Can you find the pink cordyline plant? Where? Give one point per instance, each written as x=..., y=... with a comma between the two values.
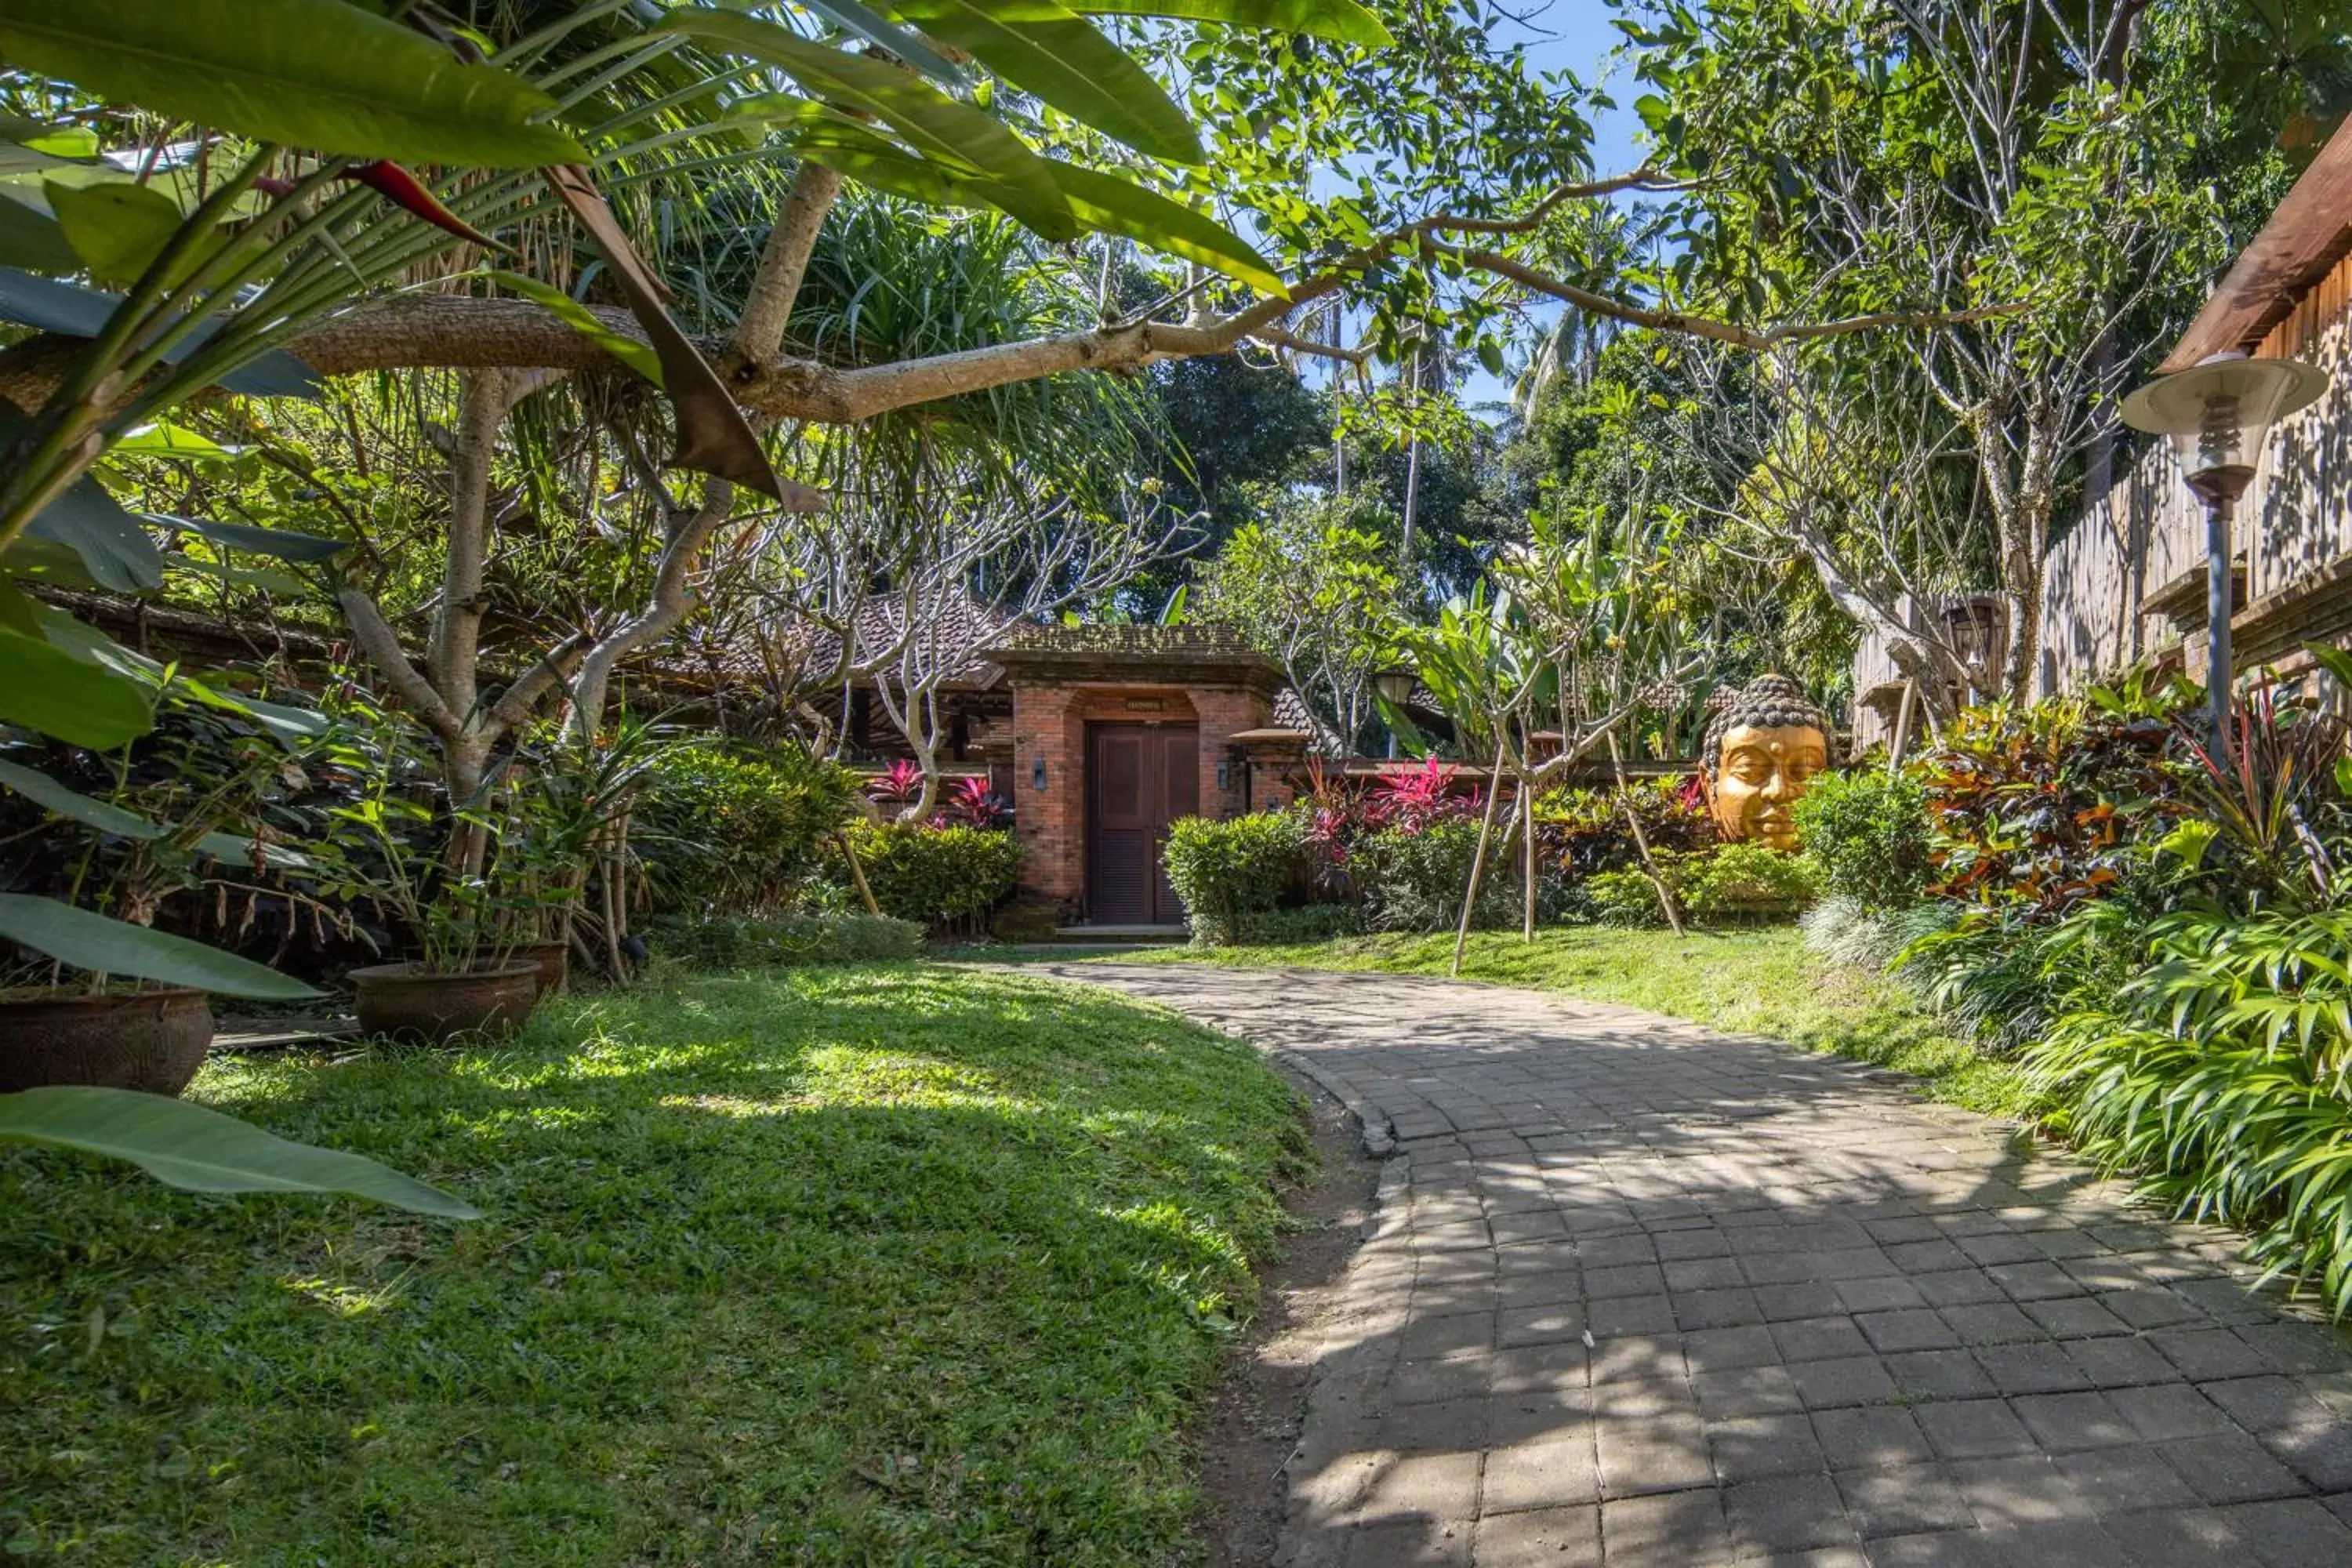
x=1410, y=803
x=971, y=803
x=900, y=782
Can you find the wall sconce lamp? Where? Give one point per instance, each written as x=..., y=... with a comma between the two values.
x=1037, y=774
x=2218, y=414
x=1224, y=772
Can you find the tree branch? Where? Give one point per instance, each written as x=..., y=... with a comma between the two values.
x=382, y=644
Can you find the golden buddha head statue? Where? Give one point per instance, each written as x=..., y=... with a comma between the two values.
x=1765, y=744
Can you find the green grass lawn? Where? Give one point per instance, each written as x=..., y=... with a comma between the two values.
x=891, y=1264
x=1760, y=980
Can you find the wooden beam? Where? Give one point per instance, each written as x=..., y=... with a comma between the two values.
x=2305, y=238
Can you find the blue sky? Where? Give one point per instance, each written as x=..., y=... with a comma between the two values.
x=1576, y=36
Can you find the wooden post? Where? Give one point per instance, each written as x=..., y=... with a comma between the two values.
x=1902, y=741
x=857, y=872
x=1527, y=861
x=1478, y=863
x=1642, y=842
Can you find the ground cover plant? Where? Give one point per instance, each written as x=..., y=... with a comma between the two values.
x=885, y=1264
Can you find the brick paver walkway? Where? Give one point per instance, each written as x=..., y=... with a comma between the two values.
x=1643, y=1294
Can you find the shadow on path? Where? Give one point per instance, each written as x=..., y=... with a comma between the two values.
x=1648, y=1295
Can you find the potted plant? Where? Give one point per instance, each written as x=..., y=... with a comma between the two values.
x=572, y=805
x=464, y=978
x=179, y=814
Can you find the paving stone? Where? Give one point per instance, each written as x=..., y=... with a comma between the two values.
x=2064, y=1420
x=1918, y=1329
x=1538, y=1537
x=1818, y=1338
x=1746, y=1391
x=2165, y=1411
x=1728, y=1349
x=1667, y=1529
x=2230, y=1467
x=1849, y=1380
x=2294, y=1532
x=1974, y=1428
x=1865, y=1436
x=1903, y=1499
x=1939, y=1374
x=1653, y=1454
x=2031, y=1369
x=2124, y=1480
x=2120, y=1362
x=1787, y=1514
x=1456, y=1425
x=1541, y=1475
x=1748, y=1448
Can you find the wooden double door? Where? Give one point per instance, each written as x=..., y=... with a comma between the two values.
x=1140, y=778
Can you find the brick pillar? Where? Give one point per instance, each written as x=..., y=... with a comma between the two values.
x=1225, y=712
x=1052, y=825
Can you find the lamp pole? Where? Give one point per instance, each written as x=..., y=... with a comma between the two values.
x=2218, y=414
x=2218, y=488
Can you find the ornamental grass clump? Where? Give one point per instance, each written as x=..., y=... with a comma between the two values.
x=2222, y=1075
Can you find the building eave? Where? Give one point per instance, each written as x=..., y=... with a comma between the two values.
x=2305, y=238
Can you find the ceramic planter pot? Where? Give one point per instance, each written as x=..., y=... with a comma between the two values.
x=148, y=1040
x=419, y=1007
x=552, y=960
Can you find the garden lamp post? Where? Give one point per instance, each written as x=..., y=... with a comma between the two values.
x=2217, y=414
x=1394, y=686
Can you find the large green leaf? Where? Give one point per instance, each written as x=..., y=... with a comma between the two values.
x=200, y=1151
x=1341, y=21
x=29, y=235
x=108, y=818
x=303, y=549
x=74, y=807
x=933, y=122
x=140, y=674
x=877, y=160
x=634, y=353
x=317, y=74
x=1101, y=201
x=114, y=545
x=117, y=227
x=852, y=18
x=48, y=689
x=1046, y=49
x=1108, y=203
x=87, y=939
x=163, y=439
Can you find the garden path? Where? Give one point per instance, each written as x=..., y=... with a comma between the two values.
x=1645, y=1294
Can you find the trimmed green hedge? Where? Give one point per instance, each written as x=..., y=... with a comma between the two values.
x=947, y=879
x=1867, y=833
x=723, y=832
x=1232, y=874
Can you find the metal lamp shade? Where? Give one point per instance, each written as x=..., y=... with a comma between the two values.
x=2219, y=414
x=1396, y=685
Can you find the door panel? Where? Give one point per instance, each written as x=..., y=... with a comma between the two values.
x=1140, y=778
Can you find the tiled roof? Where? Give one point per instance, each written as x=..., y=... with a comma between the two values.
x=1207, y=640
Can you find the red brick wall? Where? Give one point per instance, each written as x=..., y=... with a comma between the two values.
x=1050, y=723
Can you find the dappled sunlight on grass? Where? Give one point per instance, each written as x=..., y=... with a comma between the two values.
x=899, y=1263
